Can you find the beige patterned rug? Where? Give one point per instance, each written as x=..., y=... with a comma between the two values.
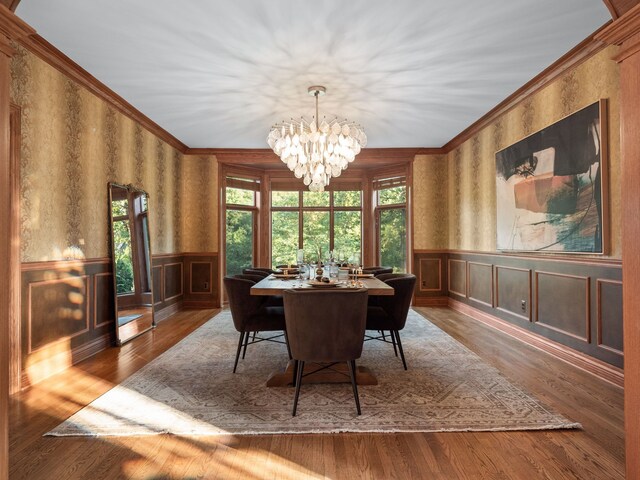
x=190, y=390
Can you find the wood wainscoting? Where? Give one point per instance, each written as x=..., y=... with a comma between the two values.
x=168, y=284
x=202, y=281
x=570, y=301
x=67, y=311
x=67, y=315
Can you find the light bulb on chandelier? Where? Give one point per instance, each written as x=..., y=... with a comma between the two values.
x=316, y=153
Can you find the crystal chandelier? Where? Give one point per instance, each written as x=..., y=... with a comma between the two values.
x=314, y=153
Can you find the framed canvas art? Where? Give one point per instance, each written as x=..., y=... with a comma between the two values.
x=551, y=187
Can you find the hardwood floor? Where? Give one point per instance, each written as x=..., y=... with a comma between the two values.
x=596, y=452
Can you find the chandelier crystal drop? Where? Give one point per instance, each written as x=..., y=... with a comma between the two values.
x=316, y=153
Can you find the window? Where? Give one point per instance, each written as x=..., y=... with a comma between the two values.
x=240, y=223
x=391, y=222
x=315, y=222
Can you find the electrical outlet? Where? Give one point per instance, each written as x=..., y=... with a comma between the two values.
x=523, y=305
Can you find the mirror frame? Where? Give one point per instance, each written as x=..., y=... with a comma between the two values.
x=130, y=189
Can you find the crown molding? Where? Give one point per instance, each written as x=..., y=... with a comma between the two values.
x=577, y=55
x=612, y=9
x=10, y=4
x=264, y=156
x=16, y=29
x=625, y=32
x=54, y=57
x=617, y=8
x=11, y=26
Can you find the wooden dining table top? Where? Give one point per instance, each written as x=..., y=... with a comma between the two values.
x=275, y=286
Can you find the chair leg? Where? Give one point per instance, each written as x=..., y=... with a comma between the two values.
x=404, y=362
x=393, y=341
x=383, y=336
x=246, y=342
x=240, y=342
x=300, y=369
x=286, y=340
x=354, y=385
x=295, y=372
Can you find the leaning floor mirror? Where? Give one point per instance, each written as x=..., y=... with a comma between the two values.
x=131, y=257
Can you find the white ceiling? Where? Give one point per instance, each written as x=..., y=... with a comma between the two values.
x=414, y=73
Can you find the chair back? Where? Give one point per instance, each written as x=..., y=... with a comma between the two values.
x=241, y=303
x=250, y=276
x=263, y=272
x=325, y=326
x=397, y=306
x=377, y=271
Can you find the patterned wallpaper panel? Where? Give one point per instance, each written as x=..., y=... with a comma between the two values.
x=430, y=202
x=200, y=203
x=471, y=169
x=73, y=144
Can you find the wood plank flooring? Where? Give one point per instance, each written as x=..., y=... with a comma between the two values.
x=596, y=452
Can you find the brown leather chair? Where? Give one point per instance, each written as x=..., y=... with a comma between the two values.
x=263, y=272
x=377, y=270
x=252, y=313
x=325, y=327
x=391, y=312
x=256, y=274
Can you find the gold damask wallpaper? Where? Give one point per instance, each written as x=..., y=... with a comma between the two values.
x=73, y=144
x=430, y=202
x=200, y=203
x=470, y=168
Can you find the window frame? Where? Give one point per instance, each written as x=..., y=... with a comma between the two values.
x=235, y=174
x=331, y=208
x=405, y=172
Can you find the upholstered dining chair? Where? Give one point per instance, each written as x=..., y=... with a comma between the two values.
x=391, y=312
x=252, y=314
x=325, y=327
x=377, y=270
x=256, y=274
x=263, y=272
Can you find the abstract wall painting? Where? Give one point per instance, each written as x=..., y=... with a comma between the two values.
x=551, y=187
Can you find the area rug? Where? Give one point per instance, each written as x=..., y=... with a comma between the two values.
x=191, y=390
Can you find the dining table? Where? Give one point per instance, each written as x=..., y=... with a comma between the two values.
x=320, y=373
x=275, y=285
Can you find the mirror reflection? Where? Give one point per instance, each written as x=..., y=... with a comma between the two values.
x=131, y=257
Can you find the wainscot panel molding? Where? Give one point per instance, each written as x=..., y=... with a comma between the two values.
x=574, y=302
x=202, y=280
x=457, y=280
x=168, y=284
x=66, y=316
x=67, y=312
x=431, y=269
x=610, y=373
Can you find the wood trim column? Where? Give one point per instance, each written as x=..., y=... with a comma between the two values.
x=11, y=28
x=5, y=251
x=625, y=32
